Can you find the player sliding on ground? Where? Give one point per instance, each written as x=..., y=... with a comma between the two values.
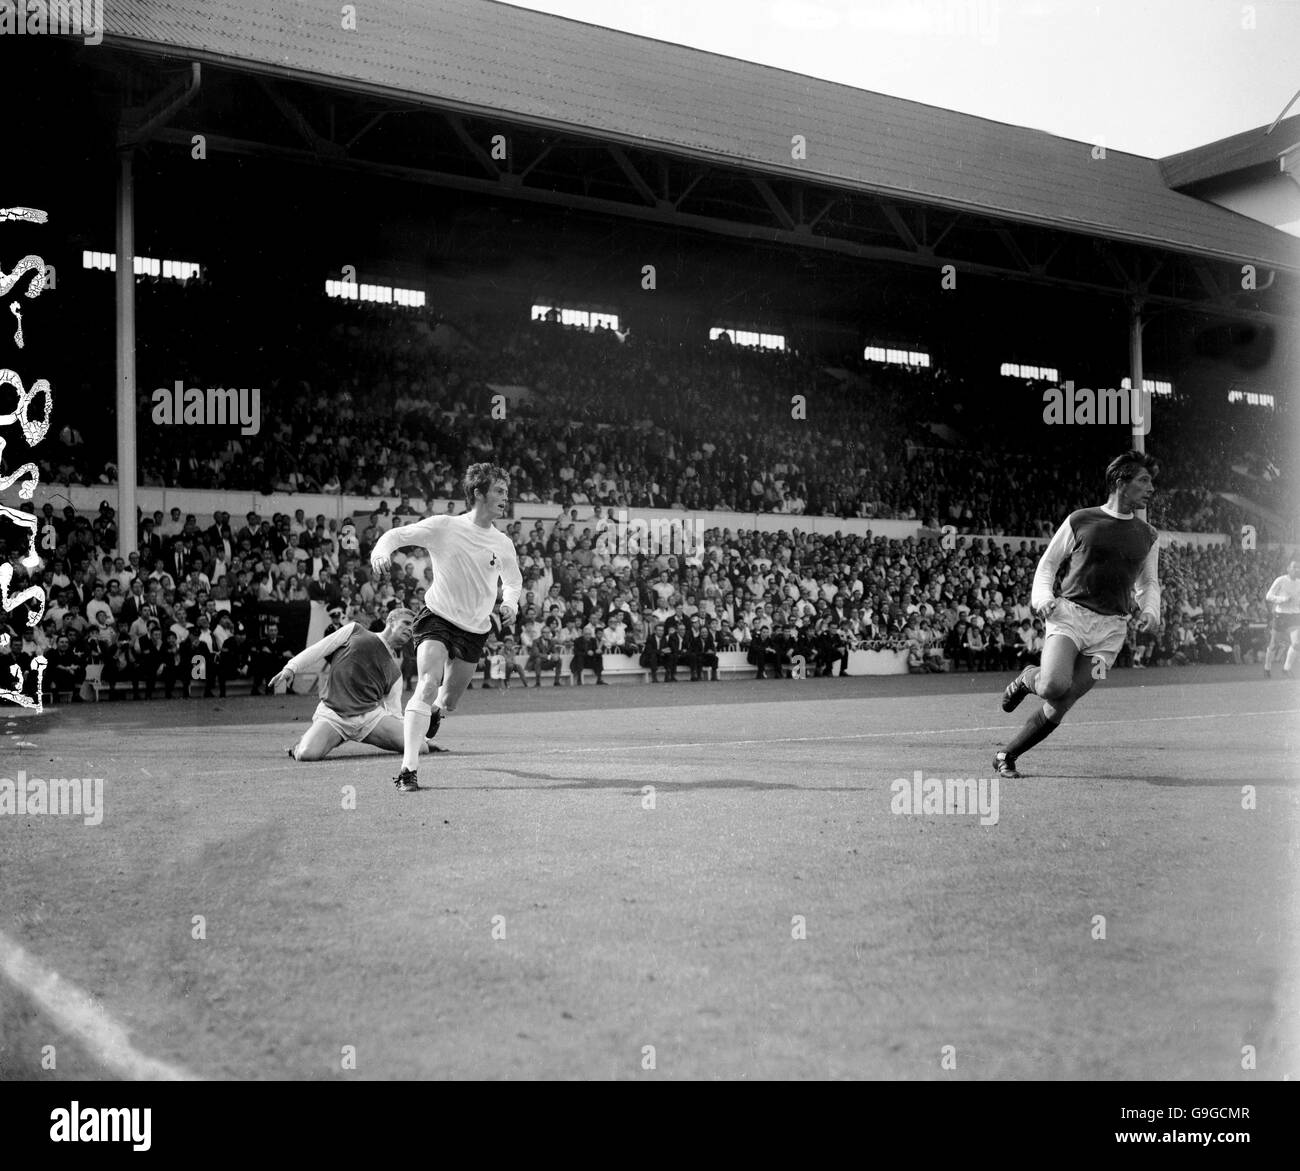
x=1284, y=596
x=1112, y=555
x=362, y=700
x=470, y=557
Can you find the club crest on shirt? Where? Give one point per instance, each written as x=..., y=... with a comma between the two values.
x=493, y=563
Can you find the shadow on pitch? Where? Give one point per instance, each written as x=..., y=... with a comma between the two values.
x=552, y=781
x=560, y=782
x=1183, y=782
x=1222, y=782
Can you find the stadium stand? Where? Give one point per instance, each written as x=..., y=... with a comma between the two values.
x=633, y=423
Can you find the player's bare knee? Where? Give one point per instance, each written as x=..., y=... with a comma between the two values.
x=1053, y=689
x=308, y=754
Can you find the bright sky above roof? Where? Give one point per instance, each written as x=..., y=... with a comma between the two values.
x=1153, y=77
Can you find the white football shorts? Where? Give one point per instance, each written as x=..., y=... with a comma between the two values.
x=1094, y=634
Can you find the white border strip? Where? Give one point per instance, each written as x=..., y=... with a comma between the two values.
x=75, y=1014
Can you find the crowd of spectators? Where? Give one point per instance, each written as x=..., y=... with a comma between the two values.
x=381, y=404
x=199, y=605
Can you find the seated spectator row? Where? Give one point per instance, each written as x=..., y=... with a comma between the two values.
x=199, y=608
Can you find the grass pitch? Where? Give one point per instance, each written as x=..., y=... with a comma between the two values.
x=676, y=881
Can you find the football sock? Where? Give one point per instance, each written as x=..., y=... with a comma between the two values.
x=415, y=723
x=1037, y=728
x=1290, y=660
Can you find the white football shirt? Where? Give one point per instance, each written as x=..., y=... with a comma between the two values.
x=1285, y=595
x=468, y=562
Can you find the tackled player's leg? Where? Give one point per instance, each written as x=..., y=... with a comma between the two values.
x=390, y=735
x=317, y=742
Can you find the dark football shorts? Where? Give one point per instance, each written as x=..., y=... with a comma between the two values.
x=460, y=644
x=1285, y=623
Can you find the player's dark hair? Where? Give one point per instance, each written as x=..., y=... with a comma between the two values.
x=1124, y=467
x=481, y=477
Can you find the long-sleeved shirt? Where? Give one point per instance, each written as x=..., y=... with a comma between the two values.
x=468, y=562
x=1111, y=558
x=1285, y=595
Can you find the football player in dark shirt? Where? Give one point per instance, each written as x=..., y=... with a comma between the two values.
x=1112, y=559
x=363, y=692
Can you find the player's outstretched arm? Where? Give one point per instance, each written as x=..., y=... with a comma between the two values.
x=316, y=653
x=421, y=534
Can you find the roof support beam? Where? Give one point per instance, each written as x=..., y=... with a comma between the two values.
x=366, y=129
x=1145, y=282
x=1209, y=281
x=1041, y=269
x=830, y=203
x=1016, y=254
x=931, y=249
x=539, y=157
x=480, y=156
x=774, y=205
x=677, y=203
x=1112, y=263
x=136, y=129
x=633, y=175
x=295, y=117
x=899, y=225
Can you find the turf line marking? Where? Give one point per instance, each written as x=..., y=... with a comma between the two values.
x=77, y=1015
x=900, y=734
x=514, y=753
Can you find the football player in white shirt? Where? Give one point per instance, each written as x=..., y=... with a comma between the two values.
x=1284, y=596
x=470, y=558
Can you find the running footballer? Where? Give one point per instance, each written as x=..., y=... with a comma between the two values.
x=471, y=557
x=1284, y=640
x=1111, y=558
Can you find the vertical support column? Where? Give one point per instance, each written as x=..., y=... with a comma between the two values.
x=127, y=541
x=1136, y=396
x=1135, y=369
